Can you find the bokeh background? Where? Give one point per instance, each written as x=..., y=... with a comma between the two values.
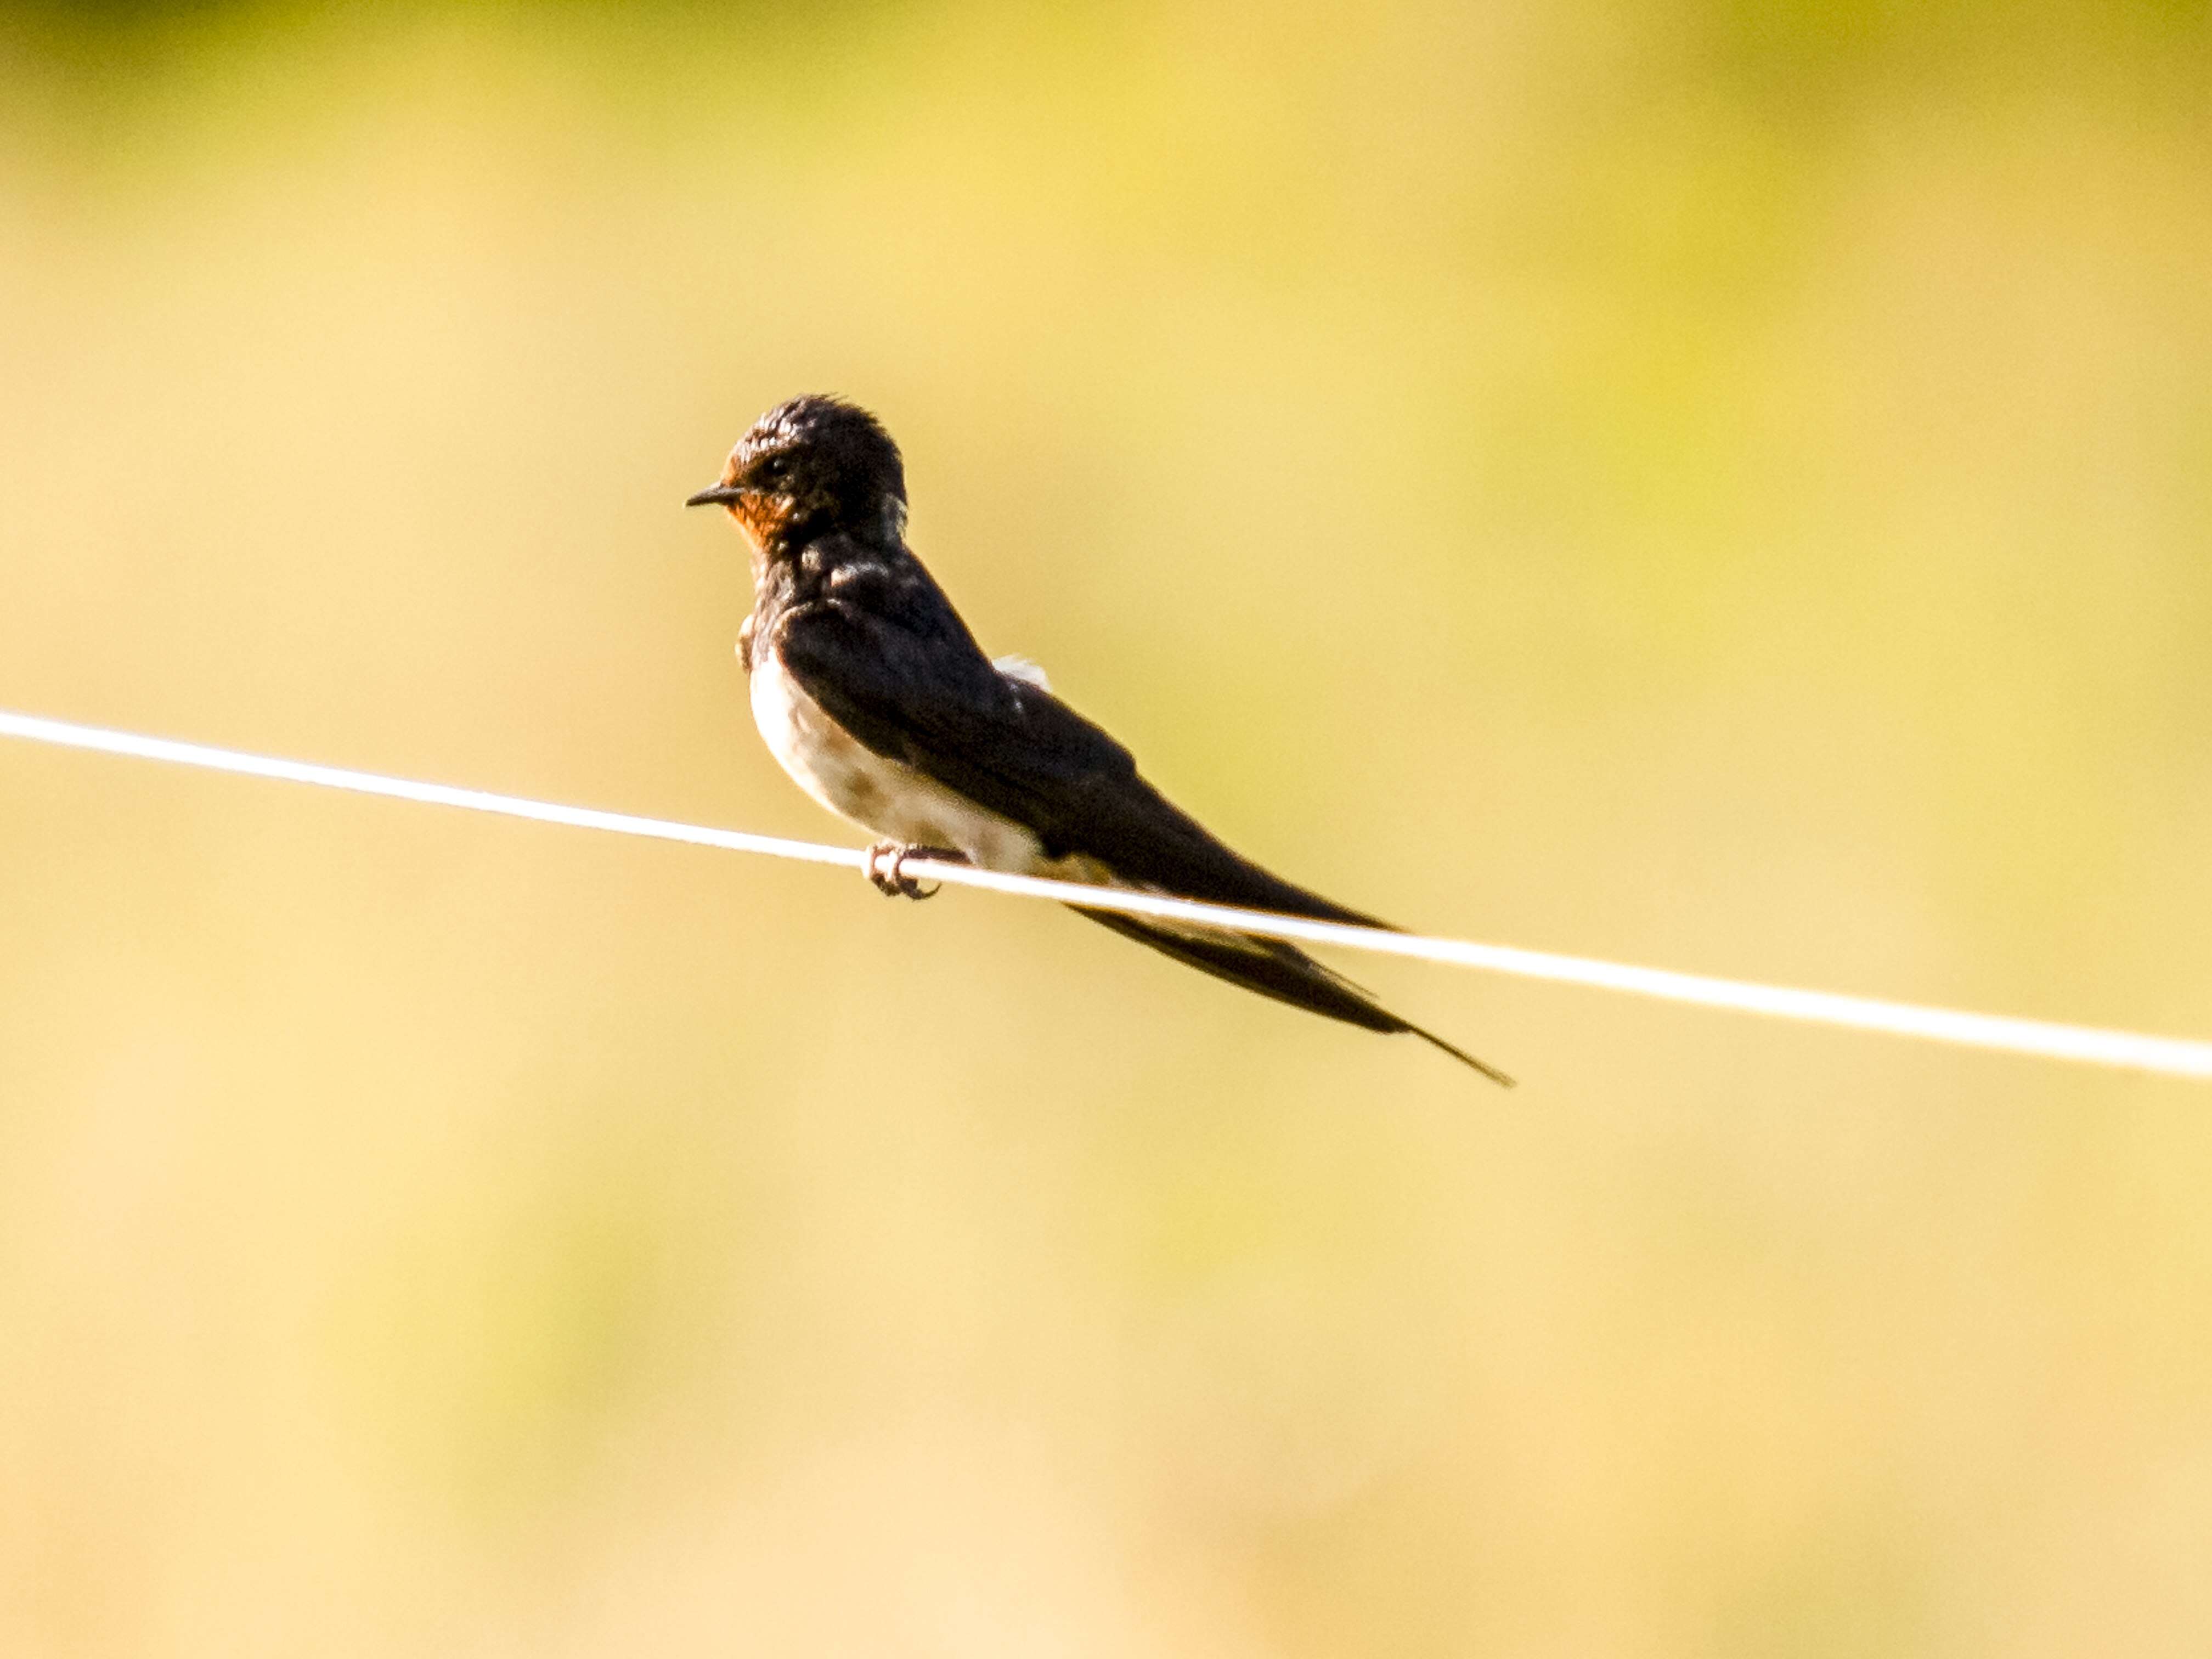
x=1727, y=486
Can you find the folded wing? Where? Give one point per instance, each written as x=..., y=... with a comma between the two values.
x=898, y=668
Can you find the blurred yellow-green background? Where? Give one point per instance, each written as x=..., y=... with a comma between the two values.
x=1723, y=486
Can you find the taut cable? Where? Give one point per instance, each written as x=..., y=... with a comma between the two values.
x=2168, y=1056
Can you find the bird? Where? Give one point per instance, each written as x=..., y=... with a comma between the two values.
x=871, y=693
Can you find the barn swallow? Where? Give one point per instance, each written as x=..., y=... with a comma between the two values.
x=873, y=693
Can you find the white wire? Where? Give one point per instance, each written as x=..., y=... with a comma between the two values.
x=2171, y=1056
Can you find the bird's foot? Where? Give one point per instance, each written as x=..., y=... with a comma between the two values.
x=883, y=867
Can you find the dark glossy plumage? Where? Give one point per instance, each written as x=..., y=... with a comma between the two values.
x=857, y=622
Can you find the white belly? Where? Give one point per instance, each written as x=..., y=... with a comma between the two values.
x=884, y=796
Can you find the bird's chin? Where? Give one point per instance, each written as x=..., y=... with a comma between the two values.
x=764, y=521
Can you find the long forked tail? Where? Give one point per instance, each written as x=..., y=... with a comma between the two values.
x=1277, y=969
x=1459, y=1055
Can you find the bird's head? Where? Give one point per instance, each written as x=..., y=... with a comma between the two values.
x=810, y=467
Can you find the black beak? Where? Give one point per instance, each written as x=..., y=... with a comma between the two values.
x=719, y=495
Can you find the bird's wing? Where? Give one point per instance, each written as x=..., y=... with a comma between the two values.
x=908, y=681
x=890, y=661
